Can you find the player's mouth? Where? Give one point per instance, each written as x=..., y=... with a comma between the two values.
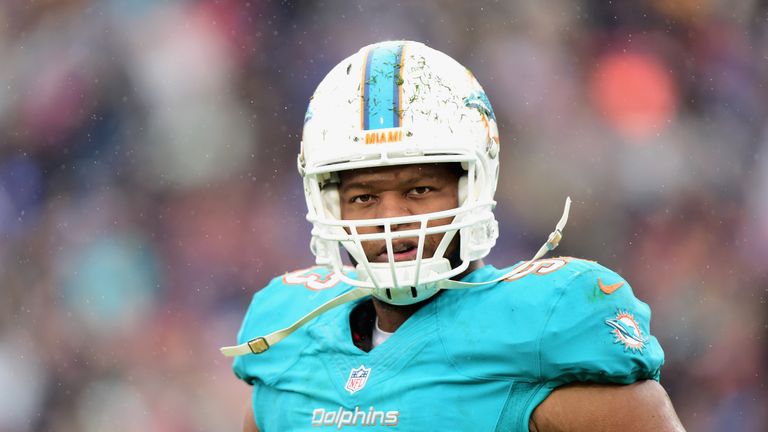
x=403, y=250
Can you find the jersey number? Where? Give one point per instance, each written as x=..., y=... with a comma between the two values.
x=540, y=267
x=311, y=279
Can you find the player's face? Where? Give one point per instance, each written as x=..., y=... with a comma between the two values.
x=404, y=190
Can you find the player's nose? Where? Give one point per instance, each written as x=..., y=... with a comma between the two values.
x=393, y=205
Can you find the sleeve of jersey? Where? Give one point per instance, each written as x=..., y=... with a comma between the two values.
x=598, y=331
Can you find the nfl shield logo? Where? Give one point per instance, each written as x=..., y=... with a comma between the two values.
x=357, y=379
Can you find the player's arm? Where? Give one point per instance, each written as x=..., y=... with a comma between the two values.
x=249, y=423
x=642, y=406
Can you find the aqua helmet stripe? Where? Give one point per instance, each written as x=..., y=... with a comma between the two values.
x=381, y=86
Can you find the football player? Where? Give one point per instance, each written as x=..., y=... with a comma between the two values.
x=400, y=160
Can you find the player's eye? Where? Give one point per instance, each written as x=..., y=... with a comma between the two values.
x=420, y=190
x=362, y=199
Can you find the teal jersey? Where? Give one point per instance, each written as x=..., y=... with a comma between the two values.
x=478, y=359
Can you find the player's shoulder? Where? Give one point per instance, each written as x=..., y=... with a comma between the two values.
x=303, y=287
x=489, y=322
x=596, y=329
x=554, y=271
x=289, y=296
x=552, y=279
x=516, y=314
x=282, y=302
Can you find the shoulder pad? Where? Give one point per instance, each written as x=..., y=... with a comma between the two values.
x=499, y=325
x=559, y=267
x=278, y=305
x=598, y=330
x=553, y=320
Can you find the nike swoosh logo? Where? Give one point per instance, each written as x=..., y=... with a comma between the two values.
x=609, y=289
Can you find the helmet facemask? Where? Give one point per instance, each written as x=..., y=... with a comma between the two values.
x=471, y=224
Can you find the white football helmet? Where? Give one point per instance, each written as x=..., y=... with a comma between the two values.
x=398, y=103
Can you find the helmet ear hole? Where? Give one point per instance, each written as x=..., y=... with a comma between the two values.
x=331, y=200
x=462, y=190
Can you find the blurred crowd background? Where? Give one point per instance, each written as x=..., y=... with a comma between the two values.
x=148, y=183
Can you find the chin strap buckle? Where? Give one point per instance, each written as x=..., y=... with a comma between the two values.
x=258, y=345
x=262, y=343
x=554, y=238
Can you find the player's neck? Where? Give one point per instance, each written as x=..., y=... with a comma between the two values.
x=391, y=317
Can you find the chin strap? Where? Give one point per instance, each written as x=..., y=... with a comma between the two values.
x=260, y=344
